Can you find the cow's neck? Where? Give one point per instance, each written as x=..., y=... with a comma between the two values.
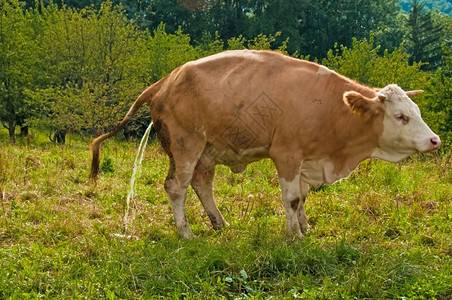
x=337, y=165
x=350, y=85
x=355, y=138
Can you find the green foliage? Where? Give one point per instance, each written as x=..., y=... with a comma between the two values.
x=95, y=59
x=439, y=96
x=79, y=69
x=96, y=64
x=425, y=37
x=107, y=165
x=312, y=27
x=168, y=51
x=363, y=63
x=260, y=42
x=356, y=62
x=383, y=233
x=17, y=62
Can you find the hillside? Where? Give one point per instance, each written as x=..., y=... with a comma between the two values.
x=444, y=6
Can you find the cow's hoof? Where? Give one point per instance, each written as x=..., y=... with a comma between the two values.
x=295, y=233
x=305, y=228
x=221, y=225
x=186, y=234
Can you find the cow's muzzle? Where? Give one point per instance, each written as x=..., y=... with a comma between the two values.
x=435, y=143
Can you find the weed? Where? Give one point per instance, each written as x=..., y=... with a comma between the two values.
x=107, y=165
x=3, y=170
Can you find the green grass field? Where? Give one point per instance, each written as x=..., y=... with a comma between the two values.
x=383, y=233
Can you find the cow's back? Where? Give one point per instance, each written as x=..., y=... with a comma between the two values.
x=247, y=93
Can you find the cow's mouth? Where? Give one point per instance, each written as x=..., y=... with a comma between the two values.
x=430, y=145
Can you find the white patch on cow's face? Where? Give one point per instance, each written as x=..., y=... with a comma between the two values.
x=404, y=131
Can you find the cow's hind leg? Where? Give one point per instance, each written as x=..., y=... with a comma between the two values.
x=184, y=151
x=176, y=184
x=202, y=183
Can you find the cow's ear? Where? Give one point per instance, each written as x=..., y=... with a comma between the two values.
x=360, y=104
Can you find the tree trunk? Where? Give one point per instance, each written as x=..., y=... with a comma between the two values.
x=59, y=137
x=24, y=130
x=11, y=130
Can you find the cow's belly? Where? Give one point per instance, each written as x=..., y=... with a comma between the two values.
x=317, y=173
x=236, y=160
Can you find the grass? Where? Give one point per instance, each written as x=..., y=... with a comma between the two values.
x=383, y=233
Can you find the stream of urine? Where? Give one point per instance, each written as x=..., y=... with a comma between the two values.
x=135, y=175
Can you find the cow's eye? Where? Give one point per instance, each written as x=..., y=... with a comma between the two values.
x=400, y=117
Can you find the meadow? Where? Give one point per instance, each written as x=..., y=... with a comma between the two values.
x=383, y=233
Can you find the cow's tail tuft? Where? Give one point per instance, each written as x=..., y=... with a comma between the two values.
x=97, y=142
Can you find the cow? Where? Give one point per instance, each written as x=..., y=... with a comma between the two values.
x=238, y=107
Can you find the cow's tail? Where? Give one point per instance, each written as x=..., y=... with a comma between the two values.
x=97, y=142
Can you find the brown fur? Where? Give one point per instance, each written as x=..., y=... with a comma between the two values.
x=362, y=105
x=237, y=107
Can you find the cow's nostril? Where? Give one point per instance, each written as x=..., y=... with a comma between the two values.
x=436, y=142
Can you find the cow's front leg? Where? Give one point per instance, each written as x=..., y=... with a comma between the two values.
x=302, y=220
x=290, y=190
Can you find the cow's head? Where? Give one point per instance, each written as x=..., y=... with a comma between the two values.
x=404, y=132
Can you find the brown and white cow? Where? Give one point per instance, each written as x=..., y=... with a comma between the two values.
x=238, y=107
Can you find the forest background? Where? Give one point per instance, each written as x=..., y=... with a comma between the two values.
x=70, y=71
x=76, y=66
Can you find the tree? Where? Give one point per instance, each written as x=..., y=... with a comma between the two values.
x=424, y=37
x=266, y=19
x=136, y=10
x=164, y=52
x=60, y=3
x=312, y=26
x=168, y=51
x=17, y=63
x=95, y=61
